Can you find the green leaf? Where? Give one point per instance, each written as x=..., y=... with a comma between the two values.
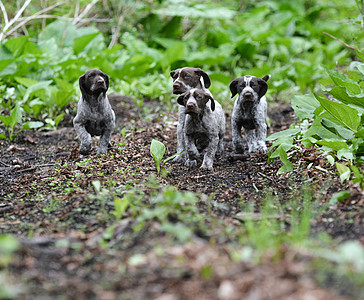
x=32, y=125
x=15, y=116
x=120, y=204
x=6, y=120
x=172, y=54
x=288, y=166
x=157, y=150
x=345, y=96
x=340, y=196
x=344, y=171
x=16, y=45
x=343, y=81
x=283, y=133
x=304, y=106
x=81, y=42
x=333, y=144
x=343, y=113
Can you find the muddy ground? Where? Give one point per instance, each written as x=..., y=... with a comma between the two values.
x=68, y=251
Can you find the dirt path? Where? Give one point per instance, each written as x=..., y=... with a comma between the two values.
x=67, y=248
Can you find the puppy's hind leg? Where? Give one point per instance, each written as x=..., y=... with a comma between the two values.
x=251, y=139
x=181, y=144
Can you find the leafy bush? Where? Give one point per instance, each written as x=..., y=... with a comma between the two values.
x=39, y=71
x=334, y=127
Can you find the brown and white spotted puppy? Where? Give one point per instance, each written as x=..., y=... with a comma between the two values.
x=94, y=113
x=185, y=79
x=249, y=112
x=204, y=127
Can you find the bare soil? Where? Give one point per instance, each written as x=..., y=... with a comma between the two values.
x=46, y=203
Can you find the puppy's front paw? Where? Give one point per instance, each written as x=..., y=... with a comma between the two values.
x=190, y=163
x=179, y=159
x=101, y=150
x=261, y=147
x=207, y=163
x=84, y=148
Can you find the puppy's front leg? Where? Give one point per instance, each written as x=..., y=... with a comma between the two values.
x=208, y=159
x=192, y=152
x=180, y=136
x=251, y=139
x=261, y=133
x=83, y=136
x=237, y=138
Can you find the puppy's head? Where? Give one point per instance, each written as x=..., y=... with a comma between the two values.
x=195, y=101
x=250, y=88
x=188, y=78
x=93, y=82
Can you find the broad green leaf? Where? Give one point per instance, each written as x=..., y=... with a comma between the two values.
x=6, y=120
x=345, y=96
x=16, y=45
x=340, y=196
x=5, y=53
x=288, y=166
x=27, y=82
x=333, y=144
x=343, y=113
x=15, y=115
x=172, y=54
x=32, y=125
x=304, y=106
x=157, y=150
x=331, y=124
x=81, y=42
x=341, y=80
x=284, y=133
x=360, y=133
x=343, y=171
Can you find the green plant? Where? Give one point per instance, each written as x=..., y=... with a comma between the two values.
x=14, y=119
x=157, y=150
x=334, y=127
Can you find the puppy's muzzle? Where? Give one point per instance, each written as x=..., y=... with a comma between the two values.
x=179, y=88
x=248, y=96
x=191, y=108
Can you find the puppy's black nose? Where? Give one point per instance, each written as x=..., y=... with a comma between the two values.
x=248, y=95
x=176, y=85
x=190, y=105
x=100, y=80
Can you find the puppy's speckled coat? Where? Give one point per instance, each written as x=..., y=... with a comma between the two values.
x=94, y=113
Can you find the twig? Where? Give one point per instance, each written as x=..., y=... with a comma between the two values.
x=116, y=33
x=37, y=15
x=13, y=20
x=345, y=44
x=3, y=9
x=85, y=11
x=34, y=168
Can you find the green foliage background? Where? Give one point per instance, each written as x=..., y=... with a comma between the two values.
x=139, y=42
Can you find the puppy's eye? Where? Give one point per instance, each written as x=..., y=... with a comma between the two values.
x=186, y=76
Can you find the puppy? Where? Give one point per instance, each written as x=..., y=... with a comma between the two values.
x=204, y=127
x=94, y=113
x=185, y=79
x=249, y=112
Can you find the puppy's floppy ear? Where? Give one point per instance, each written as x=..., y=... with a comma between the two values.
x=106, y=78
x=82, y=83
x=181, y=99
x=263, y=87
x=206, y=78
x=173, y=73
x=266, y=77
x=208, y=97
x=234, y=87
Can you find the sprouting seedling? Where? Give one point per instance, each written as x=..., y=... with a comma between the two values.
x=157, y=150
